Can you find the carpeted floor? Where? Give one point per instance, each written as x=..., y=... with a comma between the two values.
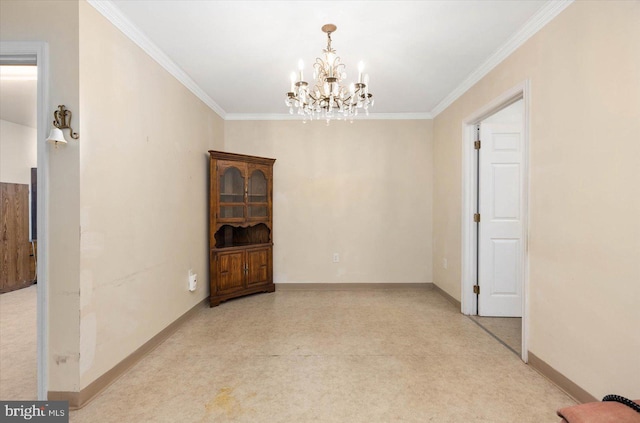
x=328, y=356
x=18, y=371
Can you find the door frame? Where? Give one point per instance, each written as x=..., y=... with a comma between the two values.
x=469, y=201
x=41, y=51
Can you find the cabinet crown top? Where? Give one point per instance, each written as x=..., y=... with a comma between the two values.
x=223, y=155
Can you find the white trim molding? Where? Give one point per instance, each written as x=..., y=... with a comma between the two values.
x=41, y=51
x=362, y=116
x=469, y=197
x=547, y=13
x=128, y=28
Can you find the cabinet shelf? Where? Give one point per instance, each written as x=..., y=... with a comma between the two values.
x=241, y=247
x=234, y=236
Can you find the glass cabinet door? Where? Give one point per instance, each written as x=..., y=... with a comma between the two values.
x=257, y=194
x=231, y=188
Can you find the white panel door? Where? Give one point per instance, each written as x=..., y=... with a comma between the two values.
x=500, y=249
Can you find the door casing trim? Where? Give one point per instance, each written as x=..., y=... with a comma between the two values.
x=41, y=51
x=469, y=201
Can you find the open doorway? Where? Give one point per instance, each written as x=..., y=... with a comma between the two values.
x=495, y=234
x=499, y=234
x=18, y=237
x=35, y=54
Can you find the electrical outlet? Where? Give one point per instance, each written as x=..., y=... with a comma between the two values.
x=193, y=280
x=336, y=258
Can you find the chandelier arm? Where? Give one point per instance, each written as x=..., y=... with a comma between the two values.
x=320, y=67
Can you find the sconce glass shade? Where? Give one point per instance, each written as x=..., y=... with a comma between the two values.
x=56, y=136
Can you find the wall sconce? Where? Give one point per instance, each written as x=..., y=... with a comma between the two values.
x=62, y=120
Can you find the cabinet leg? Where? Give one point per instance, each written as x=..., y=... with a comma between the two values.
x=214, y=302
x=271, y=287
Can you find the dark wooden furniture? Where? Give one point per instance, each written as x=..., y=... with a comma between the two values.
x=17, y=263
x=240, y=225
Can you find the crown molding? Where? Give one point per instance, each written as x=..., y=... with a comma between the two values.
x=397, y=116
x=286, y=116
x=107, y=9
x=261, y=116
x=549, y=11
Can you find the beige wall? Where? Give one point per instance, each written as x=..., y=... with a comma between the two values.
x=17, y=152
x=56, y=22
x=363, y=190
x=131, y=191
x=584, y=245
x=143, y=196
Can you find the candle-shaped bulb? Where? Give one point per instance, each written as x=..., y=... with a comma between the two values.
x=300, y=67
x=360, y=69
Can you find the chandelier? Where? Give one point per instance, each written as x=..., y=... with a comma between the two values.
x=327, y=98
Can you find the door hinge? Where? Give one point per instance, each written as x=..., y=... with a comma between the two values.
x=476, y=217
x=476, y=289
x=476, y=145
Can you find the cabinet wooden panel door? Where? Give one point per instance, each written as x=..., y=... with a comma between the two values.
x=231, y=184
x=258, y=271
x=258, y=195
x=230, y=271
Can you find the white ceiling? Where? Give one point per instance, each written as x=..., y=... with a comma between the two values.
x=241, y=53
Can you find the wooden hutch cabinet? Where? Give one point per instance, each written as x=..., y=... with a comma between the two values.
x=240, y=225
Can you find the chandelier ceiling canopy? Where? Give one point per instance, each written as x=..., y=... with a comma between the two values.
x=325, y=97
